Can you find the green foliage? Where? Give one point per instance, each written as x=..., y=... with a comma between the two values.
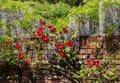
x=106, y=71
x=2, y=24
x=110, y=30
x=60, y=22
x=57, y=13
x=108, y=3
x=69, y=2
x=90, y=9
x=33, y=11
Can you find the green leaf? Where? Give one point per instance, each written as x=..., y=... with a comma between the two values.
x=16, y=51
x=97, y=81
x=106, y=76
x=94, y=68
x=67, y=49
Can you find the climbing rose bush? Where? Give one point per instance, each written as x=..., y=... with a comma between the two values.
x=23, y=51
x=27, y=51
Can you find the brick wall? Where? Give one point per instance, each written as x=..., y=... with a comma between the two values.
x=99, y=46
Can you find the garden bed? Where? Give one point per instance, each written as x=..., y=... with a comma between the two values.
x=94, y=47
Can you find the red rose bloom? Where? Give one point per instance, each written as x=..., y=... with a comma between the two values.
x=43, y=23
x=65, y=30
x=34, y=35
x=53, y=30
x=32, y=56
x=96, y=63
x=50, y=26
x=61, y=46
x=39, y=31
x=17, y=46
x=60, y=32
x=69, y=43
x=45, y=38
x=89, y=60
x=61, y=53
x=27, y=62
x=21, y=55
x=90, y=65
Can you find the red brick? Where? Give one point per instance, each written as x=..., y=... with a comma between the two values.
x=92, y=56
x=102, y=51
x=83, y=51
x=79, y=56
x=99, y=45
x=89, y=51
x=94, y=51
x=92, y=46
x=84, y=46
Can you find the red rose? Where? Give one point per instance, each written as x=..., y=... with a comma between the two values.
x=32, y=56
x=50, y=26
x=39, y=31
x=53, y=30
x=17, y=46
x=61, y=46
x=45, y=38
x=90, y=65
x=69, y=43
x=57, y=44
x=65, y=30
x=89, y=60
x=61, y=53
x=21, y=55
x=42, y=23
x=96, y=63
x=34, y=35
x=27, y=62
x=60, y=32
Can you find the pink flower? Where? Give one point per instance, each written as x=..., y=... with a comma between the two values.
x=27, y=62
x=61, y=46
x=39, y=31
x=61, y=53
x=42, y=23
x=69, y=43
x=21, y=55
x=17, y=46
x=45, y=38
